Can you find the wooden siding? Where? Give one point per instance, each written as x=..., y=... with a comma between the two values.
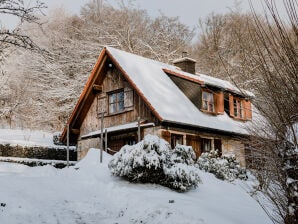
x=190, y=89
x=194, y=92
x=114, y=81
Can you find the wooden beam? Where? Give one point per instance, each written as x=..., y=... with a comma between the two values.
x=87, y=97
x=97, y=88
x=75, y=131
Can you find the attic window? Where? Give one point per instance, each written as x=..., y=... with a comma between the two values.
x=208, y=101
x=240, y=108
x=116, y=102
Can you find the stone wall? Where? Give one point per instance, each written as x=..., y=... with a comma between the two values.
x=85, y=144
x=37, y=152
x=235, y=147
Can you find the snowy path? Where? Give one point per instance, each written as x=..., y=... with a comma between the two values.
x=90, y=195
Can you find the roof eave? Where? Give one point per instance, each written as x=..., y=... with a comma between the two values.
x=206, y=128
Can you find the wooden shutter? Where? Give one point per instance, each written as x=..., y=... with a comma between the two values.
x=219, y=102
x=166, y=135
x=102, y=106
x=194, y=142
x=128, y=97
x=247, y=109
x=231, y=105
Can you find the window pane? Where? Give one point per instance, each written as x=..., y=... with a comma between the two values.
x=206, y=144
x=235, y=108
x=241, y=110
x=207, y=101
x=205, y=105
x=205, y=96
x=210, y=97
x=120, y=105
x=112, y=108
x=121, y=96
x=211, y=107
x=112, y=98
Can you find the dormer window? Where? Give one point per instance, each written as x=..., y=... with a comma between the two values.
x=240, y=108
x=208, y=102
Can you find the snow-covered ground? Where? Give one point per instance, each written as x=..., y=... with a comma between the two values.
x=87, y=193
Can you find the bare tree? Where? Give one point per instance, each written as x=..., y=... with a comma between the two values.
x=275, y=62
x=73, y=44
x=17, y=9
x=260, y=53
x=218, y=51
x=131, y=29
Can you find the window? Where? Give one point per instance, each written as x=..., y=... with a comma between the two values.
x=205, y=144
x=176, y=139
x=116, y=102
x=217, y=146
x=207, y=101
x=238, y=108
x=131, y=140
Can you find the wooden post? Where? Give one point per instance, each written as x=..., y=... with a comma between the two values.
x=139, y=120
x=67, y=149
x=139, y=129
x=106, y=140
x=101, y=136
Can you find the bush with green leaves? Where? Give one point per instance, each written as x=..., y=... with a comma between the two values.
x=225, y=167
x=153, y=161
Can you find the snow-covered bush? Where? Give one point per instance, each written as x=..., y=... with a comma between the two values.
x=181, y=174
x=153, y=161
x=225, y=167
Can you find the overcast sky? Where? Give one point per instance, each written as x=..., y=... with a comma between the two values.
x=189, y=11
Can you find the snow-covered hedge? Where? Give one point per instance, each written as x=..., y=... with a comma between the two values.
x=153, y=161
x=225, y=167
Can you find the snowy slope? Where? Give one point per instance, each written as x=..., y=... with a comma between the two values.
x=87, y=193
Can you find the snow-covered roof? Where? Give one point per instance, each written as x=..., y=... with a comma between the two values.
x=211, y=81
x=165, y=98
x=128, y=126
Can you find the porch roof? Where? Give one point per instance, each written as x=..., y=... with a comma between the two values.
x=122, y=127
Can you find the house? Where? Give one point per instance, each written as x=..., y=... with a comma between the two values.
x=171, y=101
